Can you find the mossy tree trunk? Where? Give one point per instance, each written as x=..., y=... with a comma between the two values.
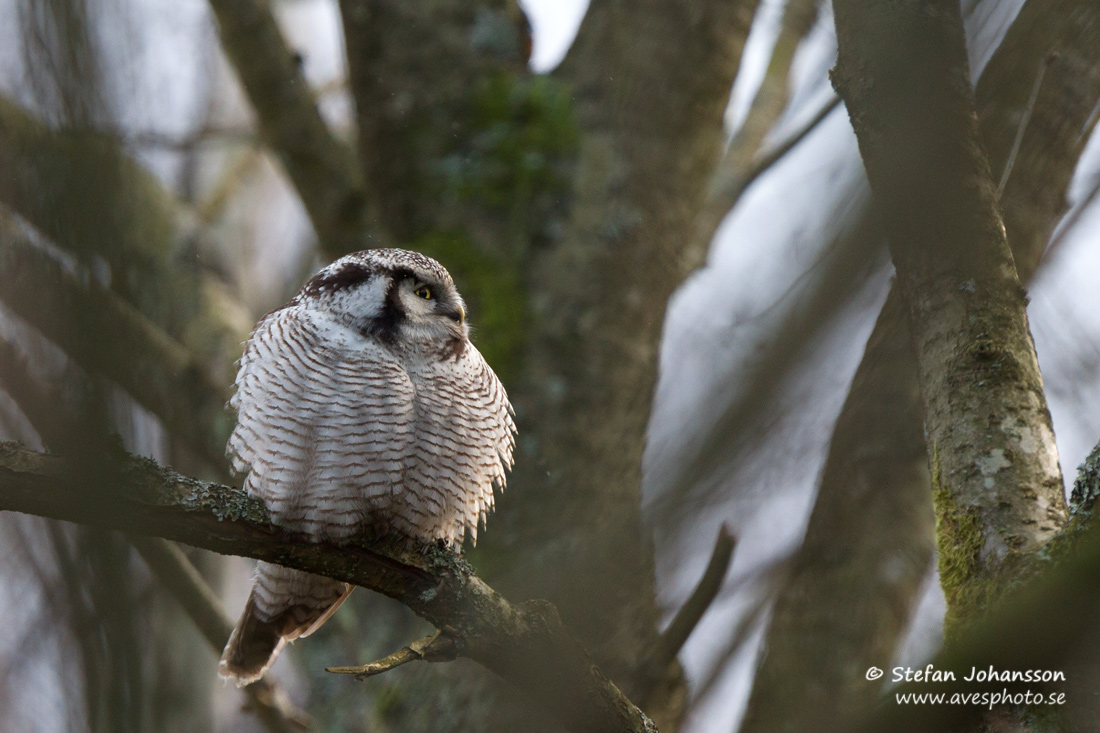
x=997, y=485
x=868, y=543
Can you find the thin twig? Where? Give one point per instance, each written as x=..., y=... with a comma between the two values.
x=728, y=185
x=689, y=615
x=1011, y=160
x=773, y=155
x=1086, y=129
x=1067, y=224
x=436, y=647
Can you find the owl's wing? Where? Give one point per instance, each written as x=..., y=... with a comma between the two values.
x=324, y=424
x=465, y=437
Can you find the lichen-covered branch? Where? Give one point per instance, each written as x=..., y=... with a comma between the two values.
x=525, y=644
x=321, y=167
x=435, y=648
x=1045, y=624
x=903, y=73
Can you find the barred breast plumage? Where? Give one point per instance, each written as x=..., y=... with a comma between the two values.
x=361, y=405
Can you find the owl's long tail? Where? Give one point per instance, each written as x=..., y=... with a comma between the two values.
x=284, y=604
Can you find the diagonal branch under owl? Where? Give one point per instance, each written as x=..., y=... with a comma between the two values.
x=437, y=647
x=525, y=644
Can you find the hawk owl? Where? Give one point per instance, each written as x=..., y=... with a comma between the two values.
x=361, y=405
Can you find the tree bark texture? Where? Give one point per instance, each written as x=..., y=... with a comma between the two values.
x=902, y=71
x=876, y=466
x=1046, y=619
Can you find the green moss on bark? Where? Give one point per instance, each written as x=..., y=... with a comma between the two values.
x=522, y=131
x=959, y=542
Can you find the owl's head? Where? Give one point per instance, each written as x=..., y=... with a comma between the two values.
x=391, y=294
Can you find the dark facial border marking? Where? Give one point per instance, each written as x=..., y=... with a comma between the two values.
x=347, y=276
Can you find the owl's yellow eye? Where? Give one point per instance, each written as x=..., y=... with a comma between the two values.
x=424, y=292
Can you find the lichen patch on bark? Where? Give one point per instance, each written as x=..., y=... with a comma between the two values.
x=990, y=464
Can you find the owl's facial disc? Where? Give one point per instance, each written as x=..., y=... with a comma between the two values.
x=433, y=310
x=392, y=295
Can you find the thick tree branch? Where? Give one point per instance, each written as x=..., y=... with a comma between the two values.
x=56, y=421
x=1041, y=625
x=873, y=507
x=525, y=644
x=321, y=167
x=903, y=73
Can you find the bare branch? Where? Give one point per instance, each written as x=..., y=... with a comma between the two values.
x=321, y=167
x=436, y=647
x=744, y=159
x=525, y=644
x=689, y=615
x=1018, y=140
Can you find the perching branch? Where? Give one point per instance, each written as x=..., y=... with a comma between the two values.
x=56, y=421
x=525, y=644
x=321, y=167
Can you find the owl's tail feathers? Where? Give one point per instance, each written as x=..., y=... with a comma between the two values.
x=284, y=604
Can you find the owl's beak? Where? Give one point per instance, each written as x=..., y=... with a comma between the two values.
x=457, y=315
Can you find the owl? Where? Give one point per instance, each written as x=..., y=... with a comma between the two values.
x=361, y=406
